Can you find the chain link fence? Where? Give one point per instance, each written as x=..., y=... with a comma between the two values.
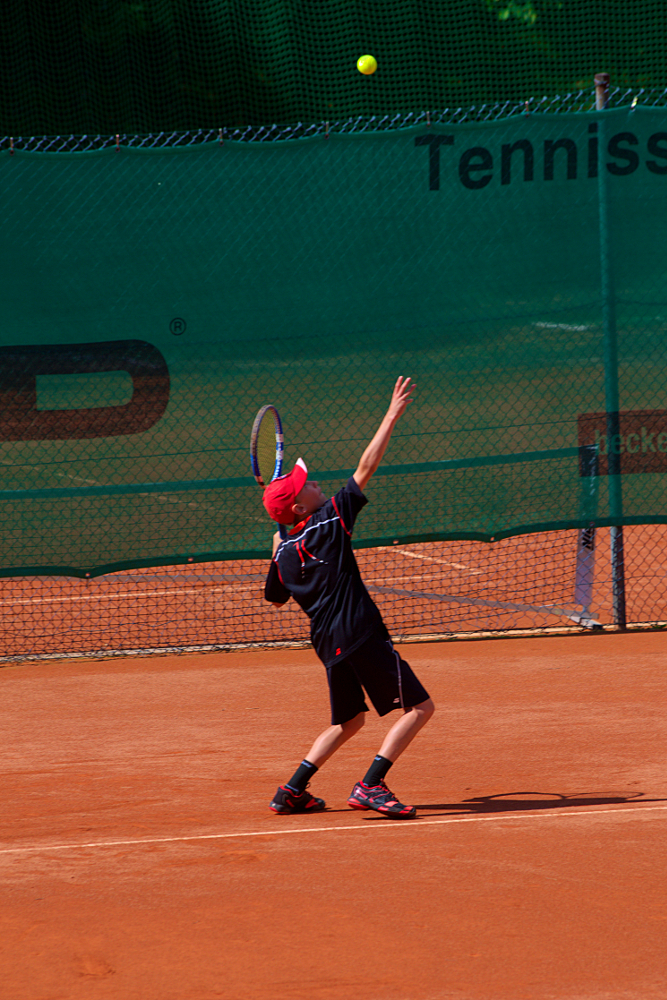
x=160, y=296
x=435, y=590
x=575, y=102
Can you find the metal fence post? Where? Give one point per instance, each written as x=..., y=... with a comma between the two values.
x=611, y=389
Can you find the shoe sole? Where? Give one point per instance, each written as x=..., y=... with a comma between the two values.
x=296, y=812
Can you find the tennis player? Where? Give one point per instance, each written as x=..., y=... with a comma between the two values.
x=315, y=565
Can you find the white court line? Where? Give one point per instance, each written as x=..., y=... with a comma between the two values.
x=170, y=592
x=389, y=825
x=418, y=555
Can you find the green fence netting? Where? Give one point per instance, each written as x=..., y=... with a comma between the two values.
x=132, y=66
x=154, y=299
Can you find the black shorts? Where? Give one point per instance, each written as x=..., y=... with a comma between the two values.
x=389, y=681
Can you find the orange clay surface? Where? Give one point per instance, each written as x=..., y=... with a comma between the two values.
x=140, y=861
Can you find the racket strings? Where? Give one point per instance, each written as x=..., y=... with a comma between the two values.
x=266, y=445
x=266, y=449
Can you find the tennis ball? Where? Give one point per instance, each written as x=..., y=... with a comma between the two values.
x=367, y=65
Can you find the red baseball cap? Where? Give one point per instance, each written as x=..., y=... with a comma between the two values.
x=280, y=495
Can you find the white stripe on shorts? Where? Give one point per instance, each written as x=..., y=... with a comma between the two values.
x=398, y=670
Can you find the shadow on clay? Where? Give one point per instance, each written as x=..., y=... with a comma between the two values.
x=512, y=802
x=508, y=802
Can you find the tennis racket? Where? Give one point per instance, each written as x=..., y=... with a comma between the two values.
x=267, y=449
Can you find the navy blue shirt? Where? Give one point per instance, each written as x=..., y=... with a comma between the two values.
x=315, y=565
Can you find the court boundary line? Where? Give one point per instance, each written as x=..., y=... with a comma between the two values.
x=389, y=825
x=134, y=594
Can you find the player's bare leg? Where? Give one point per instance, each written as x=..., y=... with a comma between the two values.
x=332, y=738
x=404, y=730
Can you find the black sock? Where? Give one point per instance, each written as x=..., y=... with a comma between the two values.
x=301, y=776
x=377, y=771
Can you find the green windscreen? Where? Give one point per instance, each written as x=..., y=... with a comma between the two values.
x=115, y=66
x=153, y=300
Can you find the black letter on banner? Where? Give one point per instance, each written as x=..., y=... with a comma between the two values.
x=20, y=420
x=467, y=167
x=550, y=148
x=615, y=149
x=434, y=142
x=593, y=150
x=506, y=160
x=656, y=150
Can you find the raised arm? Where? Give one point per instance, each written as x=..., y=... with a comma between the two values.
x=371, y=458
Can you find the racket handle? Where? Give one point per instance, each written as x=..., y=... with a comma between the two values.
x=282, y=530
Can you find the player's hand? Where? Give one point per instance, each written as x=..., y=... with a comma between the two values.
x=276, y=542
x=400, y=397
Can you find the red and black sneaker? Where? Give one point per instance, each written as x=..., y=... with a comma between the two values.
x=286, y=801
x=381, y=799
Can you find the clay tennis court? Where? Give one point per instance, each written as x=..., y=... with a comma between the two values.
x=139, y=858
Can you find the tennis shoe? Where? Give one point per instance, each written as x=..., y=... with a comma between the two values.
x=381, y=800
x=286, y=801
